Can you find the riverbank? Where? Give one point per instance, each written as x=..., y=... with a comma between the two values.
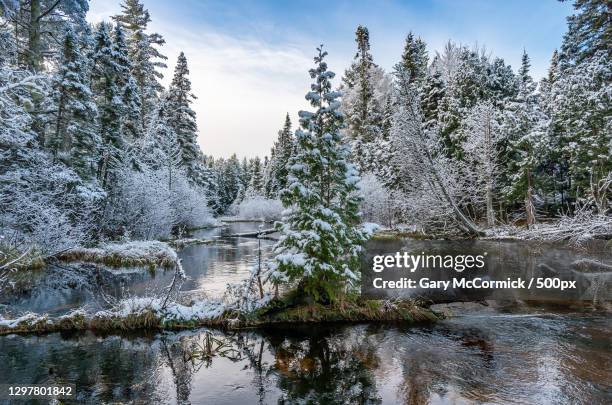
x=151, y=314
x=574, y=231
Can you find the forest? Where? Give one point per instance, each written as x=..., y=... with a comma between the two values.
x=94, y=149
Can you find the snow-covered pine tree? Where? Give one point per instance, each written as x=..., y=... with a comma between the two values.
x=38, y=26
x=74, y=138
x=131, y=129
x=414, y=60
x=320, y=238
x=256, y=184
x=106, y=87
x=581, y=102
x=182, y=118
x=524, y=126
x=363, y=102
x=281, y=153
x=432, y=95
x=230, y=186
x=146, y=58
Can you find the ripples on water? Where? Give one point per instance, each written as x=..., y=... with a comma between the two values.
x=539, y=358
x=484, y=356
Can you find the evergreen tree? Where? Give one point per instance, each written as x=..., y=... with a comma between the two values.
x=580, y=102
x=363, y=110
x=128, y=88
x=105, y=84
x=256, y=185
x=589, y=31
x=38, y=25
x=182, y=118
x=74, y=138
x=414, y=60
x=432, y=95
x=525, y=129
x=146, y=58
x=279, y=157
x=320, y=241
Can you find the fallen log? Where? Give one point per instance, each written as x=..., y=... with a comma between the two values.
x=255, y=234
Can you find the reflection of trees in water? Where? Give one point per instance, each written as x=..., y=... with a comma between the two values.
x=442, y=363
x=320, y=367
x=104, y=370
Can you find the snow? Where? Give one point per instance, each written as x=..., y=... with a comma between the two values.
x=260, y=208
x=136, y=251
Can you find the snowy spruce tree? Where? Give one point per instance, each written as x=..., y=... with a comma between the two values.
x=106, y=87
x=524, y=125
x=281, y=153
x=256, y=182
x=74, y=138
x=144, y=54
x=366, y=89
x=320, y=239
x=580, y=107
x=128, y=88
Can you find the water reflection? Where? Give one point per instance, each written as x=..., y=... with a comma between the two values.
x=539, y=357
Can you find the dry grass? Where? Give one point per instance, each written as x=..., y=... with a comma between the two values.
x=357, y=311
x=115, y=255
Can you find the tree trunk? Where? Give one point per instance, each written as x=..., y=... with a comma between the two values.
x=34, y=56
x=529, y=208
x=490, y=211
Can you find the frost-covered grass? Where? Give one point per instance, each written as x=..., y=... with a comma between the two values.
x=133, y=253
x=260, y=209
x=576, y=230
x=151, y=313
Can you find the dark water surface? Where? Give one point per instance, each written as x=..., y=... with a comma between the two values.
x=526, y=355
x=533, y=358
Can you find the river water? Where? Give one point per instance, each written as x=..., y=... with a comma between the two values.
x=513, y=354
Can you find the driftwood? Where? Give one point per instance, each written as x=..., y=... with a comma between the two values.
x=255, y=234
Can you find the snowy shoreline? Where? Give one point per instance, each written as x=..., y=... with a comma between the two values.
x=151, y=314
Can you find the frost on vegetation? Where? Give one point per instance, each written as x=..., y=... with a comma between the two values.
x=260, y=208
x=582, y=227
x=132, y=253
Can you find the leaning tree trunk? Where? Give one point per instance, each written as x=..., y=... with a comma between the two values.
x=529, y=208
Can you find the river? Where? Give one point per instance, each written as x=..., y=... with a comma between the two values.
x=512, y=354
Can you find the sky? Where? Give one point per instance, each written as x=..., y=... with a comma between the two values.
x=249, y=59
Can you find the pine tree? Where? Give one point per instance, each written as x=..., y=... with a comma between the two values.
x=38, y=25
x=363, y=110
x=146, y=58
x=256, y=185
x=431, y=98
x=525, y=129
x=580, y=105
x=74, y=138
x=320, y=241
x=413, y=65
x=128, y=88
x=589, y=31
x=279, y=157
x=182, y=118
x=106, y=86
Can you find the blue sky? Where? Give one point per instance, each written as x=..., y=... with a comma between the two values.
x=249, y=59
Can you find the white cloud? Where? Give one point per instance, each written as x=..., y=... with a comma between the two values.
x=244, y=87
